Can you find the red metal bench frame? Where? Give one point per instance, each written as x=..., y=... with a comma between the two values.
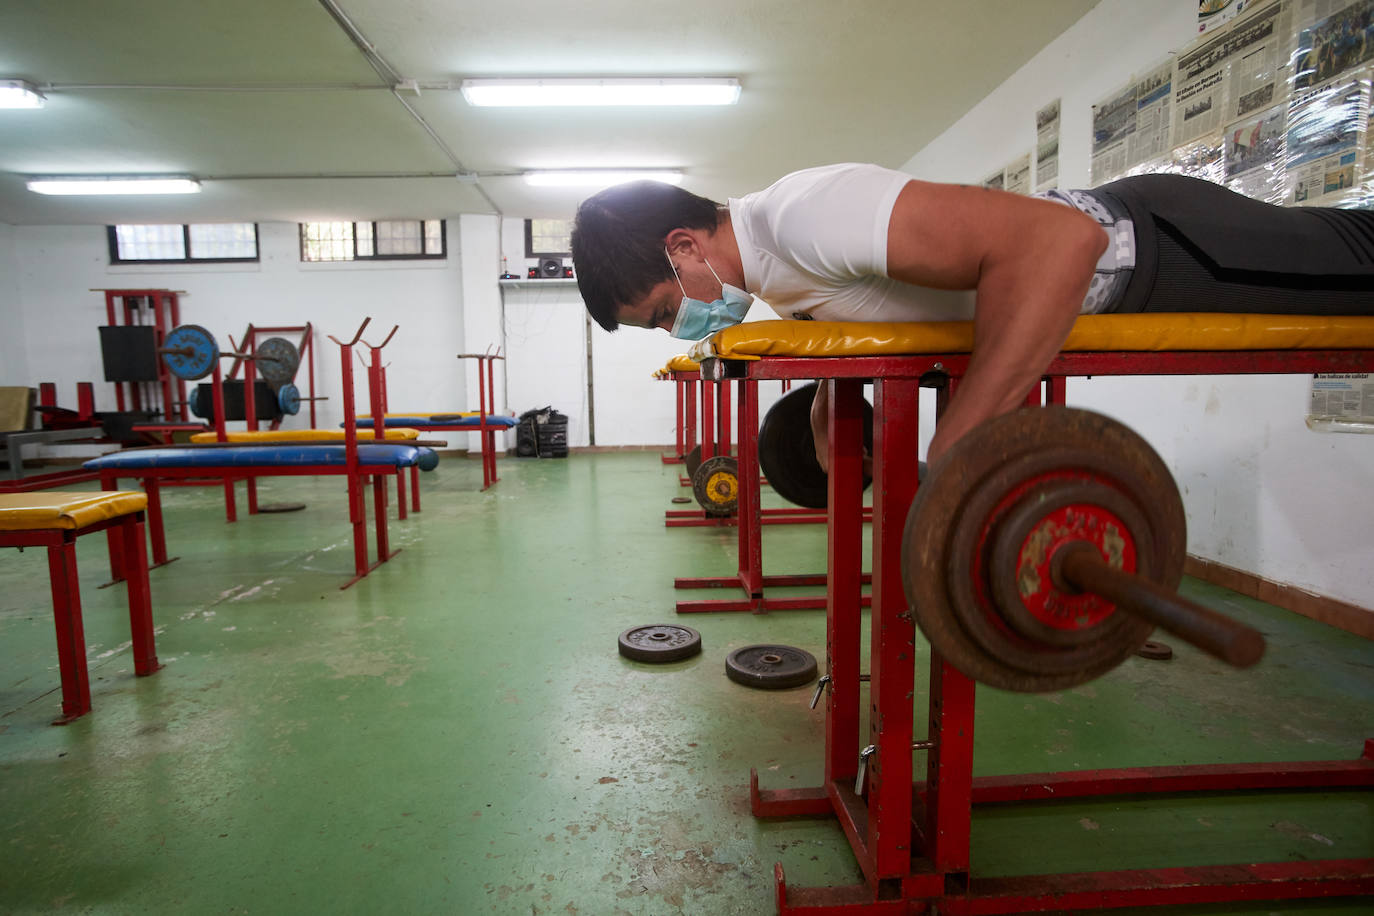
x=128, y=563
x=912, y=838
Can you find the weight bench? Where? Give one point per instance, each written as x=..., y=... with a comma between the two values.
x=683, y=372
x=55, y=519
x=313, y=436
x=486, y=425
x=356, y=462
x=887, y=812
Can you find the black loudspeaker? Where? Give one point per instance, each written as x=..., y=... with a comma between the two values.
x=550, y=267
x=129, y=352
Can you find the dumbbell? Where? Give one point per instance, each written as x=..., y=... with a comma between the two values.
x=1045, y=548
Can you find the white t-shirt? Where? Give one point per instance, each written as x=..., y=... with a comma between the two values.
x=814, y=246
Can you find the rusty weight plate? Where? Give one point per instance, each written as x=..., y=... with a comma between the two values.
x=998, y=473
x=715, y=484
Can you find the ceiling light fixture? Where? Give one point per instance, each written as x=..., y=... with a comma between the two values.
x=599, y=178
x=114, y=184
x=548, y=92
x=19, y=94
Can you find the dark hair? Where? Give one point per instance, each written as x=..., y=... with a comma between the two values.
x=617, y=242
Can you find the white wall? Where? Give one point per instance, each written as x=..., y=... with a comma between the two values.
x=14, y=365
x=57, y=266
x=1263, y=493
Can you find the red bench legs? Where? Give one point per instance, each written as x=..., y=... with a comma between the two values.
x=750, y=518
x=911, y=839
x=127, y=531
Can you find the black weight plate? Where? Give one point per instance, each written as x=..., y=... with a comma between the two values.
x=663, y=642
x=787, y=450
x=771, y=667
x=692, y=460
x=679, y=500
x=715, y=484
x=277, y=361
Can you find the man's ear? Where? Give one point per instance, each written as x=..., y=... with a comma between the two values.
x=682, y=243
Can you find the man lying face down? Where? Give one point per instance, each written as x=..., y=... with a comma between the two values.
x=855, y=242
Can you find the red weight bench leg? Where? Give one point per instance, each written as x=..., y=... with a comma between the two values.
x=401, y=493
x=140, y=599
x=415, y=488
x=71, y=635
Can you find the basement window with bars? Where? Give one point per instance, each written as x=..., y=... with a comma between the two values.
x=183, y=243
x=378, y=240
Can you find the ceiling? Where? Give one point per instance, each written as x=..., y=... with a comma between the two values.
x=281, y=114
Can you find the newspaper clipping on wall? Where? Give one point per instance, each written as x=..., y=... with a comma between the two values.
x=1212, y=14
x=1017, y=175
x=1047, y=147
x=1325, y=141
x=1334, y=44
x=1231, y=73
x=1254, y=160
x=1342, y=400
x=1153, y=92
x=1113, y=124
x=996, y=181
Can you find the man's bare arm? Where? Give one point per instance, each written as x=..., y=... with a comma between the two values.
x=1029, y=260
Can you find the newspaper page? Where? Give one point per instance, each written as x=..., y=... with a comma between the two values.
x=1342, y=402
x=1325, y=141
x=996, y=181
x=1329, y=46
x=1254, y=157
x=1047, y=147
x=1017, y=175
x=1201, y=158
x=1150, y=139
x=1214, y=13
x=1113, y=124
x=1232, y=72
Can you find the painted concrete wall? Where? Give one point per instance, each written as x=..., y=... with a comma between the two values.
x=14, y=364
x=57, y=266
x=1263, y=493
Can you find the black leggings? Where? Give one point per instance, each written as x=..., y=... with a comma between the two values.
x=1324, y=256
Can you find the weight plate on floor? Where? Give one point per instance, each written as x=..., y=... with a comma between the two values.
x=974, y=493
x=277, y=361
x=1155, y=651
x=280, y=507
x=716, y=485
x=679, y=500
x=660, y=643
x=787, y=449
x=771, y=667
x=190, y=351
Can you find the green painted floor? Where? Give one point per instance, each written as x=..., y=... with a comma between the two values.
x=457, y=733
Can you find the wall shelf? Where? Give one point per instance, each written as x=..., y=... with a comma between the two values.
x=526, y=284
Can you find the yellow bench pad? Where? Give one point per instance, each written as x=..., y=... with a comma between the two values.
x=59, y=509
x=302, y=435
x=679, y=363
x=1182, y=331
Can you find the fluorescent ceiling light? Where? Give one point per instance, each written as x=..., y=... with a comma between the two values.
x=529, y=92
x=19, y=94
x=114, y=184
x=599, y=178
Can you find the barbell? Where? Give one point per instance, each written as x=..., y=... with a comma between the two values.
x=190, y=352
x=1044, y=549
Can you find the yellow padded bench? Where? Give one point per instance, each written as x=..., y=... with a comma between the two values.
x=249, y=437
x=55, y=519
x=1156, y=332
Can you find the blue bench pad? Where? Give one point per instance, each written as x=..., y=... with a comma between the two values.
x=259, y=456
x=448, y=423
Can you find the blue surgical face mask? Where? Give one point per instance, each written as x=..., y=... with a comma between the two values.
x=697, y=319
